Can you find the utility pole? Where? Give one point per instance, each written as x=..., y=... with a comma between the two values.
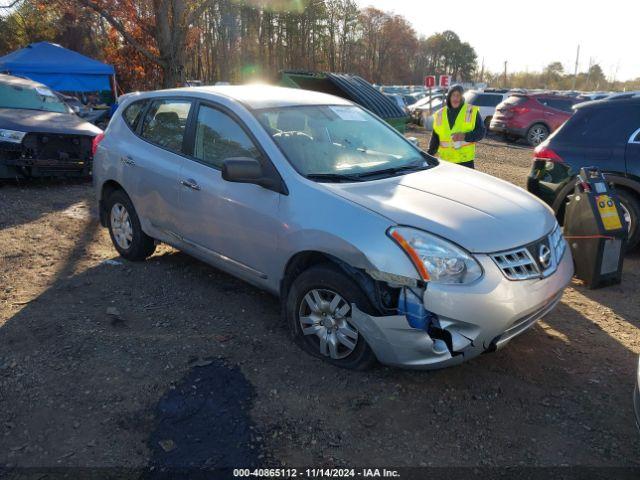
x=615, y=75
x=575, y=71
x=589, y=73
x=505, y=74
x=482, y=71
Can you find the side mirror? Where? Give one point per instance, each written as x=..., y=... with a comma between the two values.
x=414, y=140
x=249, y=170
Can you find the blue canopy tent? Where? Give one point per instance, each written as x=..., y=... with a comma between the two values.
x=59, y=68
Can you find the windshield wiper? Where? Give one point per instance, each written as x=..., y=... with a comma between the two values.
x=334, y=177
x=422, y=165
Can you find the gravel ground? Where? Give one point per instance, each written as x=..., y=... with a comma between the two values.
x=170, y=362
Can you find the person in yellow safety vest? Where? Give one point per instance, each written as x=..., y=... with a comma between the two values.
x=457, y=128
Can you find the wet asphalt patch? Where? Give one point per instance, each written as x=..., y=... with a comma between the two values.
x=203, y=424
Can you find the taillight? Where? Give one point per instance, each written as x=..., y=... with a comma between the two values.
x=519, y=110
x=543, y=152
x=96, y=141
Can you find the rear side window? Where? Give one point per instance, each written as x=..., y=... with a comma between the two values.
x=558, y=104
x=599, y=126
x=515, y=100
x=219, y=137
x=165, y=123
x=133, y=112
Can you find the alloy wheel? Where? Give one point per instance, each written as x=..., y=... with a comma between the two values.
x=323, y=316
x=537, y=135
x=627, y=217
x=121, y=226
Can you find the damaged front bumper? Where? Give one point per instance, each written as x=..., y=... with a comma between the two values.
x=46, y=155
x=470, y=320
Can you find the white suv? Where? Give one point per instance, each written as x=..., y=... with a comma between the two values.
x=486, y=101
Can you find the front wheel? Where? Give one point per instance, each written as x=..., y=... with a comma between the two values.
x=631, y=210
x=319, y=312
x=537, y=134
x=125, y=230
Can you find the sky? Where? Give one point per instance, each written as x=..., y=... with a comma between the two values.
x=530, y=35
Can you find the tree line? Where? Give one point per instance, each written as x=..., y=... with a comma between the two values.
x=163, y=43
x=155, y=43
x=554, y=77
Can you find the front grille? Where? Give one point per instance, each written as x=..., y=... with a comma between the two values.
x=517, y=264
x=536, y=260
x=60, y=147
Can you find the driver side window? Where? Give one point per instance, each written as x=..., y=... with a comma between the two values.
x=219, y=137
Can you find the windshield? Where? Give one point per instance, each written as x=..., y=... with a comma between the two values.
x=339, y=141
x=38, y=98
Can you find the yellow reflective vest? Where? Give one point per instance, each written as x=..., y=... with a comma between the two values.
x=465, y=122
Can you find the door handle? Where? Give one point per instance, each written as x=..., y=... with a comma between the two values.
x=189, y=183
x=128, y=160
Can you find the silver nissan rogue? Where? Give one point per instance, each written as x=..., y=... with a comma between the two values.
x=377, y=250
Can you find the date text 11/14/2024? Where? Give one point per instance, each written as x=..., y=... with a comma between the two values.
x=315, y=473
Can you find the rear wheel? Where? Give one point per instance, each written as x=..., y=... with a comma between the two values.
x=631, y=210
x=537, y=134
x=125, y=230
x=319, y=312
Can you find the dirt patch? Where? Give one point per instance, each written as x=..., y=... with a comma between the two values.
x=93, y=346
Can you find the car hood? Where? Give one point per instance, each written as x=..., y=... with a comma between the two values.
x=479, y=212
x=36, y=121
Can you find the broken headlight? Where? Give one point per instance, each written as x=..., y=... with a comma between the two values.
x=13, y=136
x=436, y=259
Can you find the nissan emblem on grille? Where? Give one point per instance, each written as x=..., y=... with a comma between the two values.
x=536, y=260
x=544, y=256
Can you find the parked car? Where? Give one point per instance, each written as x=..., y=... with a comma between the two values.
x=486, y=102
x=426, y=112
x=623, y=95
x=73, y=103
x=416, y=97
x=586, y=97
x=605, y=134
x=410, y=99
x=39, y=134
x=531, y=116
x=316, y=200
x=421, y=111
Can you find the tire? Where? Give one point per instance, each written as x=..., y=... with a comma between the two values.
x=487, y=123
x=631, y=207
x=327, y=279
x=537, y=134
x=122, y=220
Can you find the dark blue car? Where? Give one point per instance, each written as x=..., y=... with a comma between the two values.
x=605, y=134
